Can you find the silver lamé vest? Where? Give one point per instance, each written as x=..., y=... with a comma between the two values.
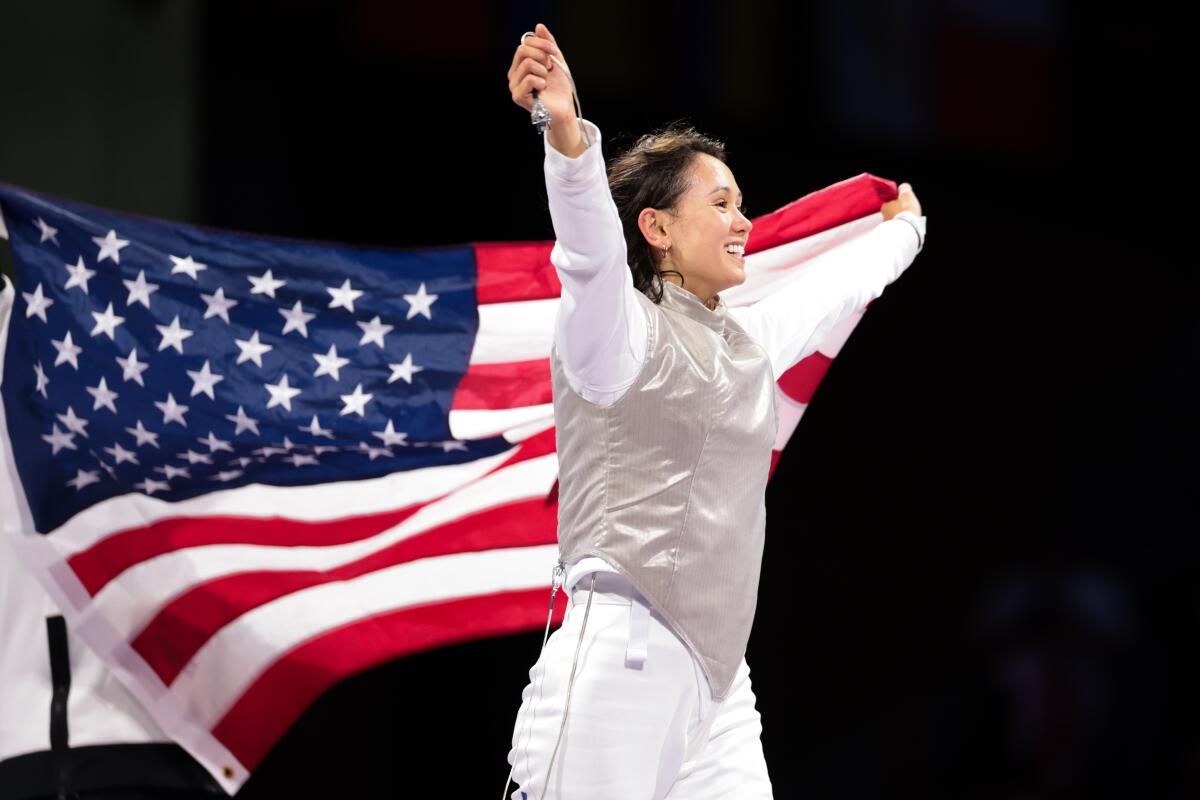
x=667, y=484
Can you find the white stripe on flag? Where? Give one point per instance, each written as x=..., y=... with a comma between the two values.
x=768, y=271
x=131, y=600
x=314, y=503
x=519, y=331
x=230, y=661
x=474, y=423
x=831, y=345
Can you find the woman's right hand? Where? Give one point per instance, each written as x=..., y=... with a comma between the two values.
x=533, y=68
x=905, y=200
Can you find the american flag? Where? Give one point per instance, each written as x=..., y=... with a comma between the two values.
x=248, y=467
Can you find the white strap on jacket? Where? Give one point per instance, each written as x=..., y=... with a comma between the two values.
x=639, y=632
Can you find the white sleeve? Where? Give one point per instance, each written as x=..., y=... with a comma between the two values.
x=791, y=323
x=600, y=331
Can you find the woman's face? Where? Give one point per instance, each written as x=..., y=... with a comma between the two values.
x=707, y=220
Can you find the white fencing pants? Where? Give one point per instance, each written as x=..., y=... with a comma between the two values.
x=642, y=723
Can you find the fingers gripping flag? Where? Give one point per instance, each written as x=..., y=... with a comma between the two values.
x=248, y=467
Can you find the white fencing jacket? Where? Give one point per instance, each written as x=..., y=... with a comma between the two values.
x=601, y=324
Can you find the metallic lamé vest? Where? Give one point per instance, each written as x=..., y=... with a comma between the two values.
x=667, y=484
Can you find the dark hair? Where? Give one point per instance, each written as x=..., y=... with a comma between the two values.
x=653, y=173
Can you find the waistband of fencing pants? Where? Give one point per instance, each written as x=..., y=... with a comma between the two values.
x=612, y=588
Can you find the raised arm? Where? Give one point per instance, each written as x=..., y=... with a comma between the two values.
x=791, y=323
x=600, y=332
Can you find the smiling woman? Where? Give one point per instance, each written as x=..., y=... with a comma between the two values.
x=664, y=407
x=683, y=173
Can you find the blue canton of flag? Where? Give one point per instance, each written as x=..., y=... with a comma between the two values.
x=172, y=360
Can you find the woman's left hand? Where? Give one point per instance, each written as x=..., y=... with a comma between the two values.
x=906, y=201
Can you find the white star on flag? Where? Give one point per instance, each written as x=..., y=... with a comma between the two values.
x=226, y=475
x=172, y=335
x=43, y=381
x=374, y=452
x=68, y=351
x=265, y=284
x=142, y=435
x=420, y=303
x=173, y=472
x=58, y=440
x=343, y=297
x=374, y=331
x=215, y=444
x=300, y=459
x=252, y=349
x=186, y=265
x=316, y=430
x=330, y=363
x=196, y=458
x=172, y=411
x=83, y=477
x=404, y=369
x=79, y=275
x=110, y=247
x=120, y=454
x=74, y=424
x=390, y=436
x=150, y=486
x=48, y=233
x=243, y=422
x=203, y=380
x=133, y=369
x=281, y=394
x=139, y=290
x=106, y=323
x=218, y=305
x=105, y=397
x=36, y=303
x=356, y=401
x=297, y=320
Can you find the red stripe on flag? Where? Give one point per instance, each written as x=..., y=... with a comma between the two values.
x=801, y=381
x=821, y=210
x=508, y=272
x=509, y=385
x=284, y=690
x=107, y=559
x=513, y=271
x=111, y=556
x=775, y=454
x=181, y=628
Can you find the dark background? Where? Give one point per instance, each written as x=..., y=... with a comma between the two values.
x=981, y=569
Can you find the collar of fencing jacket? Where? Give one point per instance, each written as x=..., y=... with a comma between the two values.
x=683, y=301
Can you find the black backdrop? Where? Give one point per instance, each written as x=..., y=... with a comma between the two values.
x=981, y=563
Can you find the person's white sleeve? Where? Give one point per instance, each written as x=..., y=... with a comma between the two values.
x=791, y=324
x=600, y=331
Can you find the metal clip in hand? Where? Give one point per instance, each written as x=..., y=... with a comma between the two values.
x=559, y=575
x=540, y=116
